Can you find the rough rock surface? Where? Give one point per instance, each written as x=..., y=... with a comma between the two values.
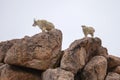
x=5, y=46
x=102, y=51
x=40, y=51
x=113, y=76
x=84, y=59
x=73, y=60
x=91, y=46
x=14, y=73
x=80, y=52
x=113, y=61
x=57, y=74
x=116, y=70
x=95, y=69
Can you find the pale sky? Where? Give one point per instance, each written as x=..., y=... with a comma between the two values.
x=16, y=19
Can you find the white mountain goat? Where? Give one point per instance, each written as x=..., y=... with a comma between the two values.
x=88, y=30
x=44, y=25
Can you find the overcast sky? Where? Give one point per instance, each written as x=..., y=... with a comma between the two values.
x=16, y=19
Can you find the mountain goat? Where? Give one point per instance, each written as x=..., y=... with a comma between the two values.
x=44, y=25
x=88, y=30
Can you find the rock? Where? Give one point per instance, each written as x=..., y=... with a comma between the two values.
x=40, y=51
x=112, y=76
x=73, y=60
x=1, y=68
x=95, y=69
x=59, y=60
x=102, y=51
x=91, y=46
x=116, y=70
x=79, y=53
x=4, y=47
x=113, y=61
x=39, y=57
x=13, y=73
x=1, y=64
x=57, y=74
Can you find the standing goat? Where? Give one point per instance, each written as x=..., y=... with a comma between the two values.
x=88, y=30
x=44, y=25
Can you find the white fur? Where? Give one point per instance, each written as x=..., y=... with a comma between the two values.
x=88, y=30
x=44, y=25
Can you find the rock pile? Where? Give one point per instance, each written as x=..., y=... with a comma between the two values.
x=40, y=58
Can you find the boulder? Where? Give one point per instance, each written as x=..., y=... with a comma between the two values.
x=95, y=69
x=73, y=60
x=79, y=53
x=57, y=74
x=116, y=69
x=102, y=51
x=8, y=72
x=113, y=76
x=5, y=46
x=113, y=61
x=40, y=57
x=91, y=46
x=40, y=51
